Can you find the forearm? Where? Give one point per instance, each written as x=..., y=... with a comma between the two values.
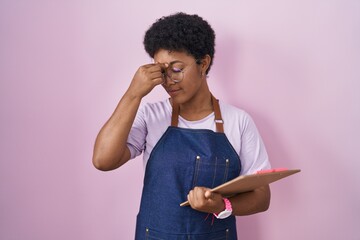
x=251, y=202
x=110, y=150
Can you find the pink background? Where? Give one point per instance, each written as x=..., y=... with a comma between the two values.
x=293, y=65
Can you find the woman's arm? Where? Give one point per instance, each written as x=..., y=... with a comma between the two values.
x=251, y=202
x=201, y=199
x=110, y=150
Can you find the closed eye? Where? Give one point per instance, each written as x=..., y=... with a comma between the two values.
x=176, y=70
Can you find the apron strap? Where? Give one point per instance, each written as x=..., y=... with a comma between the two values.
x=218, y=119
x=175, y=114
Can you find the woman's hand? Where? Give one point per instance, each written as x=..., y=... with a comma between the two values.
x=203, y=200
x=146, y=78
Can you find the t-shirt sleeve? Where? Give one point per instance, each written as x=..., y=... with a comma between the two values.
x=137, y=136
x=253, y=153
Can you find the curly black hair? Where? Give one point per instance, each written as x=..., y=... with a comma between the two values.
x=181, y=32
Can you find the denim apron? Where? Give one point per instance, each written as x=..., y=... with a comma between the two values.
x=182, y=159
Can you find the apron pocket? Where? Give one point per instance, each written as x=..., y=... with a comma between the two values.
x=211, y=172
x=152, y=234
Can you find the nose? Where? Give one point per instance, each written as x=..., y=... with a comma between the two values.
x=167, y=80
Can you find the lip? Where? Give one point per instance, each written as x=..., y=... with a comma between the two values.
x=173, y=92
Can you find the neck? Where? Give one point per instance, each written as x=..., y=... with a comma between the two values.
x=198, y=107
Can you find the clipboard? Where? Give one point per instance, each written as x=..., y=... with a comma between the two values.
x=247, y=183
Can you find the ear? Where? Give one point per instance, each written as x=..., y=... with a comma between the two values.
x=205, y=63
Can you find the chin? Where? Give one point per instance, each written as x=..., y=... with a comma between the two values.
x=178, y=99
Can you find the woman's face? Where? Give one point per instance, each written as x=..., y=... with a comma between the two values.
x=188, y=77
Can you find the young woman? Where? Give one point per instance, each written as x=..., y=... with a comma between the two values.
x=190, y=142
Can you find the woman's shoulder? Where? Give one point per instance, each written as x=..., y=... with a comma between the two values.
x=156, y=109
x=232, y=111
x=163, y=105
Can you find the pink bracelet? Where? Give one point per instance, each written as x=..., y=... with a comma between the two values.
x=228, y=210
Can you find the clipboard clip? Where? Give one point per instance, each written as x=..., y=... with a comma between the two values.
x=271, y=170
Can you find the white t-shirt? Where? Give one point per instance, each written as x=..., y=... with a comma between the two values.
x=153, y=119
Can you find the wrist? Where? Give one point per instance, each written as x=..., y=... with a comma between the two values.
x=227, y=211
x=133, y=95
x=221, y=207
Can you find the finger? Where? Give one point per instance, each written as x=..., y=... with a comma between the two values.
x=147, y=66
x=200, y=194
x=195, y=198
x=190, y=197
x=163, y=65
x=158, y=67
x=158, y=81
x=154, y=69
x=208, y=194
x=155, y=75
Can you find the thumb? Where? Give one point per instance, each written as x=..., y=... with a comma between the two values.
x=208, y=194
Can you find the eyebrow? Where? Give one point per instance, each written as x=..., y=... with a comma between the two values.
x=176, y=61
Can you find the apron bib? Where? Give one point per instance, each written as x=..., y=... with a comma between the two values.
x=182, y=159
